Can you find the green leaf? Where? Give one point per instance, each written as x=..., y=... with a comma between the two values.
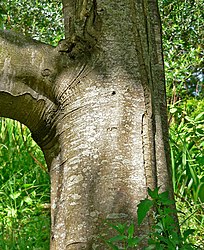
x=164, y=195
x=200, y=160
x=164, y=198
x=119, y=227
x=200, y=131
x=189, y=119
x=114, y=247
x=150, y=247
x=133, y=242
x=131, y=230
x=26, y=185
x=188, y=232
x=154, y=194
x=143, y=208
x=117, y=238
x=168, y=222
x=15, y=195
x=201, y=115
x=28, y=200
x=159, y=227
x=173, y=110
x=201, y=191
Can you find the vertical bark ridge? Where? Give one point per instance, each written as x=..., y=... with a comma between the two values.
x=157, y=70
x=140, y=20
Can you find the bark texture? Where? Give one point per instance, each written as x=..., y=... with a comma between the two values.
x=96, y=106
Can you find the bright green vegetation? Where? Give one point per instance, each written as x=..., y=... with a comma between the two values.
x=187, y=158
x=41, y=19
x=182, y=22
x=183, y=54
x=24, y=182
x=163, y=234
x=24, y=190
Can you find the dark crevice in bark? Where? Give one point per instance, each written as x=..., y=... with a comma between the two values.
x=77, y=246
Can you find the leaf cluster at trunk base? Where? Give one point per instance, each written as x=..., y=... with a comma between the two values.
x=163, y=234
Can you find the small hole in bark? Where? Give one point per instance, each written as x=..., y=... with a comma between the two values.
x=46, y=72
x=113, y=93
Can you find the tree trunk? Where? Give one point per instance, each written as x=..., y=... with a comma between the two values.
x=96, y=106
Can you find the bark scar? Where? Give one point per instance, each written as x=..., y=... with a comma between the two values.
x=76, y=243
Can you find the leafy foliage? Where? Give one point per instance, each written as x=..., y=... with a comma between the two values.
x=187, y=158
x=40, y=19
x=182, y=23
x=164, y=233
x=124, y=239
x=187, y=151
x=24, y=190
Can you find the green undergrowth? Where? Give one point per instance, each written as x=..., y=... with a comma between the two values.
x=187, y=160
x=164, y=234
x=24, y=190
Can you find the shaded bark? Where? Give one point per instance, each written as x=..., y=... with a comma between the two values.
x=96, y=106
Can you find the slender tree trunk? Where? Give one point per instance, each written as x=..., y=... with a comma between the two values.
x=100, y=114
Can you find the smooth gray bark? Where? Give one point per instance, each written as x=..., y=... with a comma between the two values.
x=96, y=106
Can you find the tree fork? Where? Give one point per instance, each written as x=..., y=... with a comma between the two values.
x=82, y=28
